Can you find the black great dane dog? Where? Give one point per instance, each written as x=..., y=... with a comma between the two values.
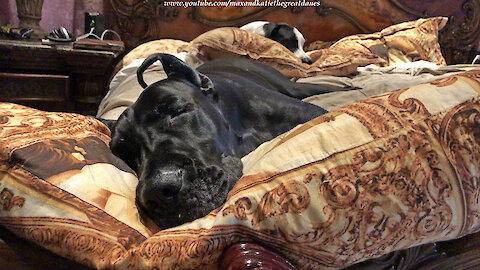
x=185, y=135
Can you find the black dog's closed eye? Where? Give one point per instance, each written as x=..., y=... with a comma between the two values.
x=173, y=111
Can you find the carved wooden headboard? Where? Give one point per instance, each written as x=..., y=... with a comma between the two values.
x=139, y=21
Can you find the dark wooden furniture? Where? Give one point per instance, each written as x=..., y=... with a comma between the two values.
x=54, y=78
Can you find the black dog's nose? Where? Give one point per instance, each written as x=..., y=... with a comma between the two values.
x=162, y=189
x=307, y=60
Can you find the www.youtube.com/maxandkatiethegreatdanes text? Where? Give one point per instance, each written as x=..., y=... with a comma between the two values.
x=253, y=3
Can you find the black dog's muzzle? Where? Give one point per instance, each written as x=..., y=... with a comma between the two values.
x=161, y=190
x=306, y=60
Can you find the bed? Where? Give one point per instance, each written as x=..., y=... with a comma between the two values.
x=389, y=178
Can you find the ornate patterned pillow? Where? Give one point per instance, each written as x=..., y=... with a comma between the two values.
x=234, y=42
x=401, y=43
x=383, y=174
x=155, y=46
x=62, y=188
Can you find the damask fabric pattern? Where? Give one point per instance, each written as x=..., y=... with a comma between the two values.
x=382, y=174
x=62, y=188
x=163, y=45
x=387, y=173
x=234, y=42
x=401, y=43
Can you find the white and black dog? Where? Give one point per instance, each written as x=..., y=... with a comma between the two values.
x=283, y=33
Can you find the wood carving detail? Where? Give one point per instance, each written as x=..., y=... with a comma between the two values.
x=143, y=20
x=324, y=10
x=147, y=13
x=419, y=14
x=228, y=16
x=460, y=39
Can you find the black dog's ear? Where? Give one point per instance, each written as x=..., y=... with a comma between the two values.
x=173, y=66
x=206, y=86
x=269, y=29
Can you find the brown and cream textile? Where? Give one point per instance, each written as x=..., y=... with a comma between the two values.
x=382, y=174
x=401, y=43
x=62, y=188
x=234, y=42
x=162, y=45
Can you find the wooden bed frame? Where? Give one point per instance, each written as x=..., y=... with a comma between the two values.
x=139, y=21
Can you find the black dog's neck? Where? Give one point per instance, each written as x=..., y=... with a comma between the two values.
x=239, y=105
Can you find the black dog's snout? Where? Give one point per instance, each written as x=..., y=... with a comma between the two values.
x=161, y=190
x=307, y=60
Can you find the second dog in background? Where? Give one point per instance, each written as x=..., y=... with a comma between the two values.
x=283, y=33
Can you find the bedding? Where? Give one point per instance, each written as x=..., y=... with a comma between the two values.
x=370, y=80
x=386, y=170
x=405, y=42
x=373, y=80
x=308, y=194
x=172, y=46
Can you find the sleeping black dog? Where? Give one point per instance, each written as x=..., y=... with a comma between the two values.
x=185, y=135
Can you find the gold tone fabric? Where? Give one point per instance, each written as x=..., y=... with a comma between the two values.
x=234, y=42
x=401, y=43
x=382, y=174
x=156, y=46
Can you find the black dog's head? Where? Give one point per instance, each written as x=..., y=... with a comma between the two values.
x=179, y=144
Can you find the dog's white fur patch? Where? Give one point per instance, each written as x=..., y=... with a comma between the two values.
x=255, y=27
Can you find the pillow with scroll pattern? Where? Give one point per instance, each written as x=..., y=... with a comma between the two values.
x=382, y=174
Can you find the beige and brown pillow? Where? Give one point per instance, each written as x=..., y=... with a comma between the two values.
x=155, y=46
x=340, y=61
x=400, y=43
x=62, y=188
x=234, y=42
x=383, y=174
